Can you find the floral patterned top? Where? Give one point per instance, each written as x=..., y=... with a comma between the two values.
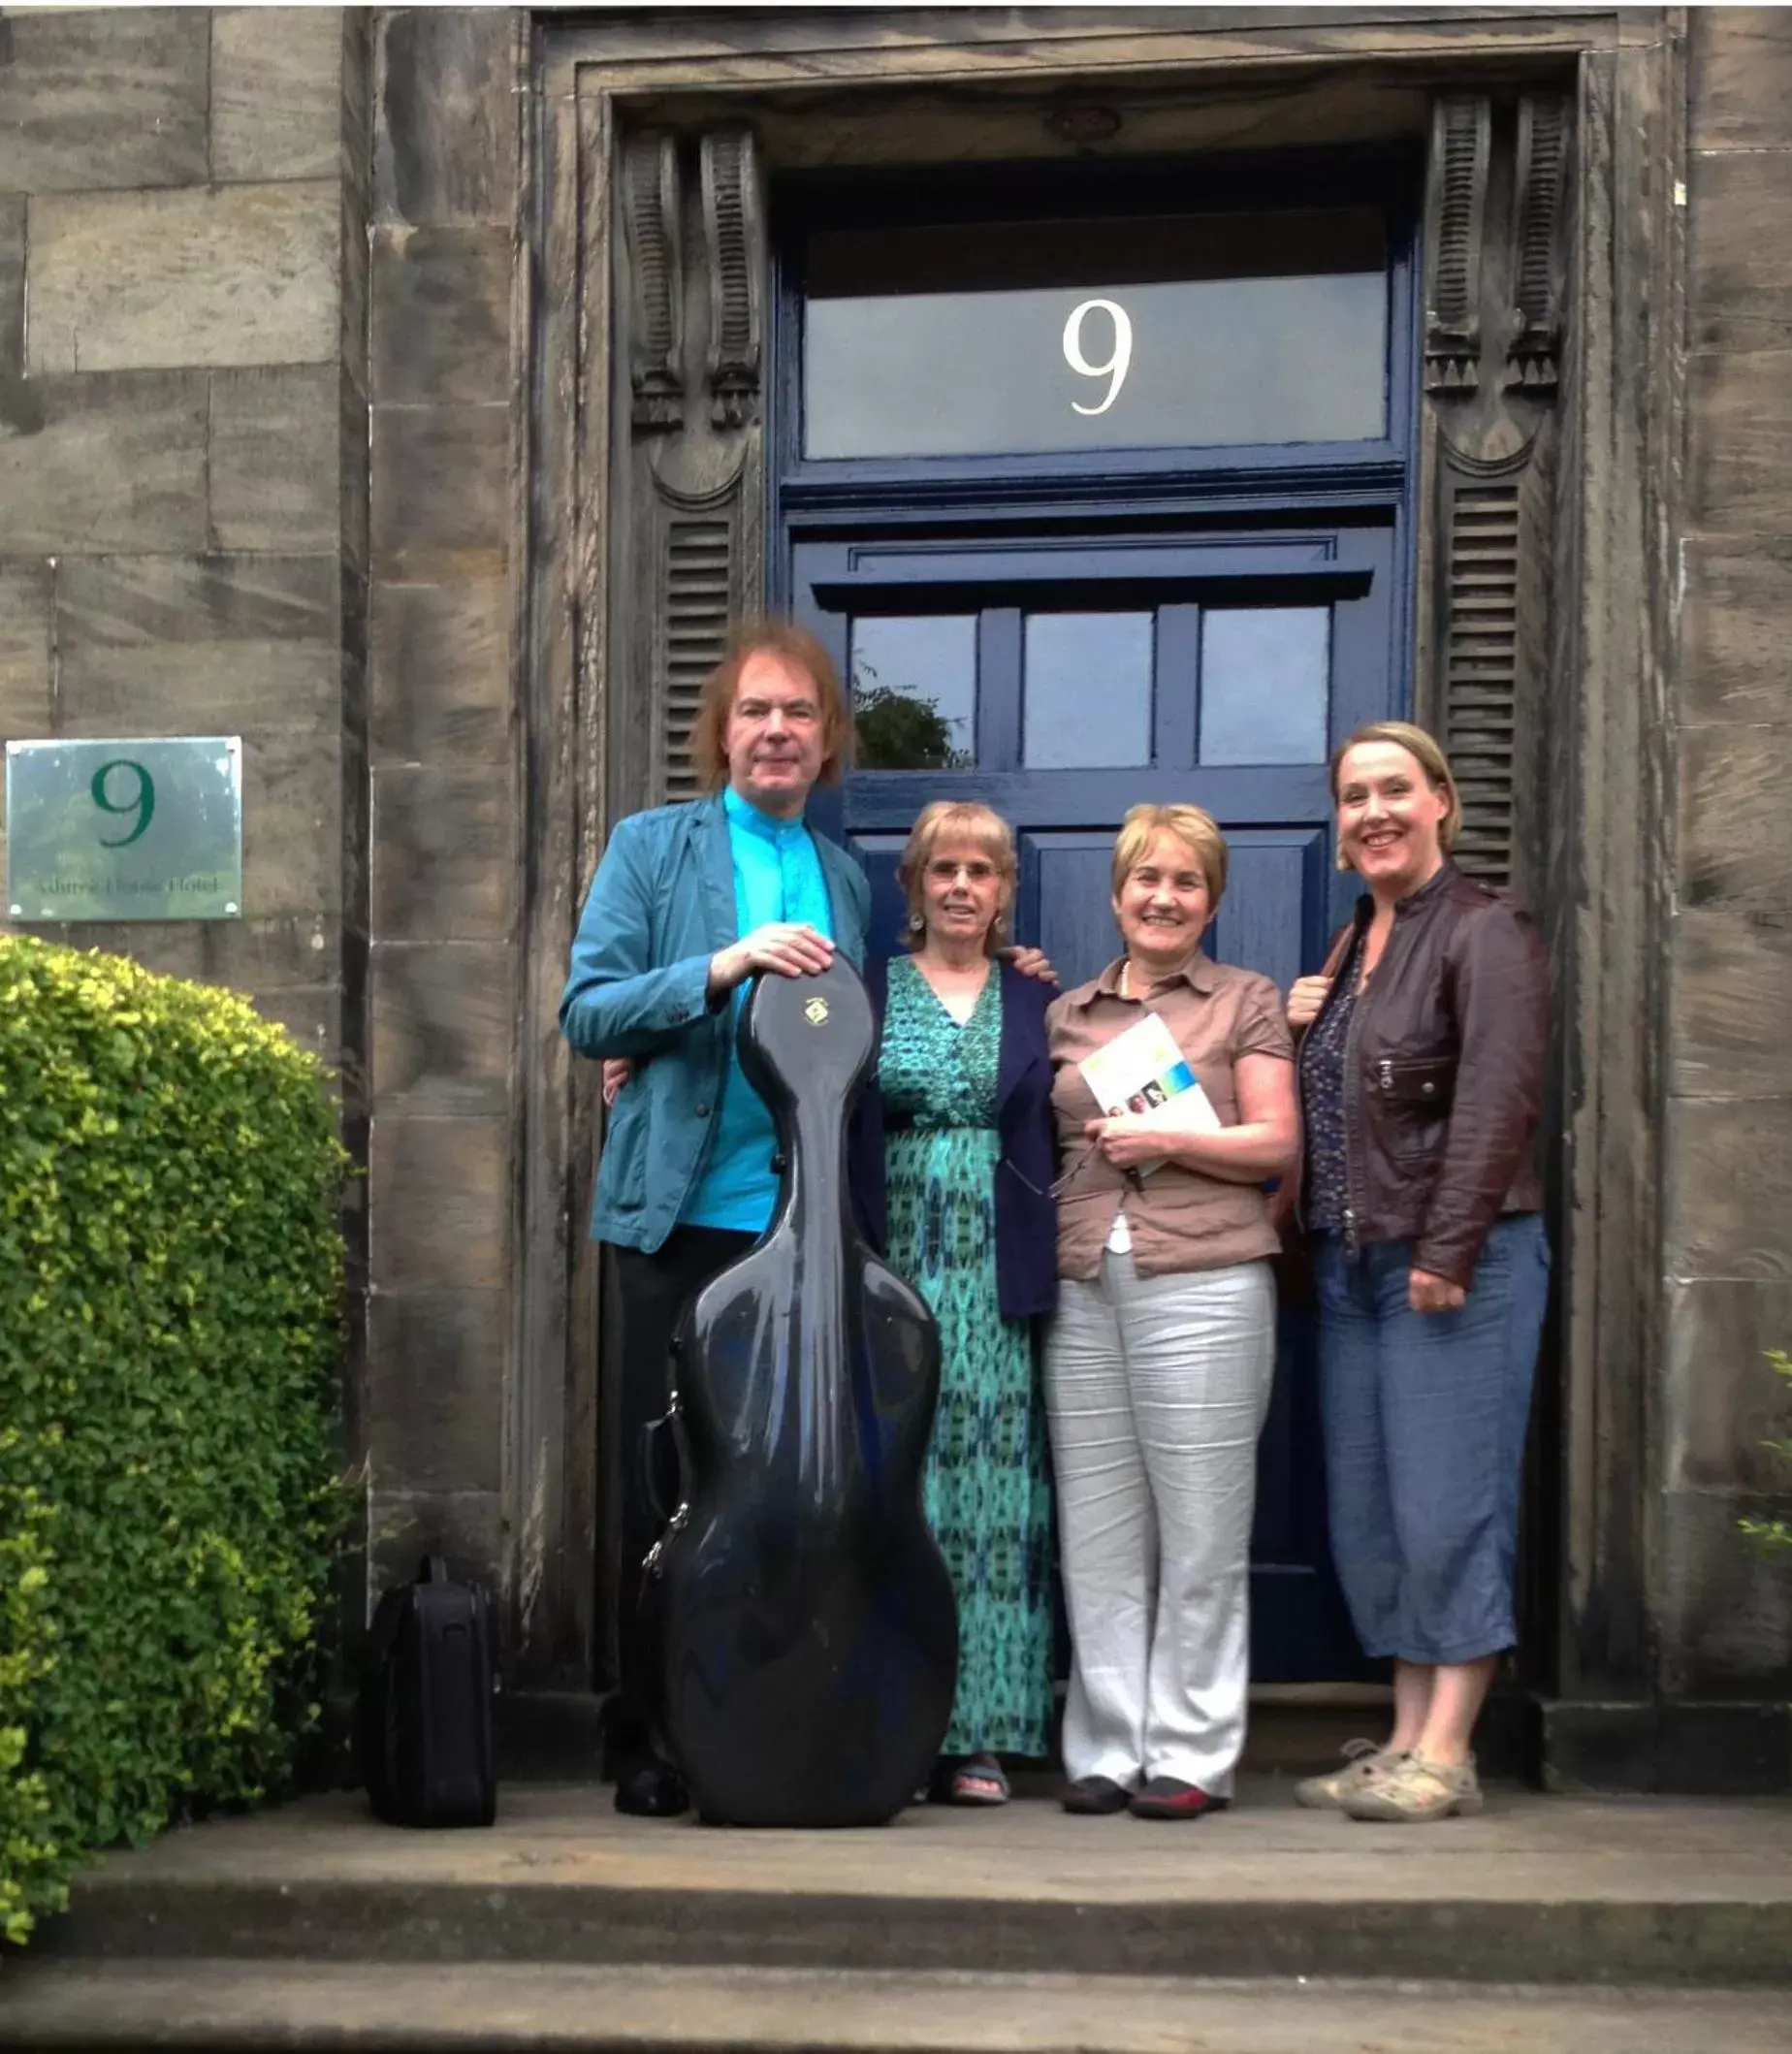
x=1325, y=1187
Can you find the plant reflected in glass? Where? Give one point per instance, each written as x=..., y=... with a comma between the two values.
x=915, y=691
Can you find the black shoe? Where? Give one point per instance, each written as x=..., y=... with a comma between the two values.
x=626, y=1742
x=1094, y=1797
x=655, y=1790
x=1170, y=1797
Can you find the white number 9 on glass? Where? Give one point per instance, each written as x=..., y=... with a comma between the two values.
x=1115, y=368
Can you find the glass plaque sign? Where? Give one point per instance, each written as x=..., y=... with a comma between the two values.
x=1169, y=331
x=124, y=831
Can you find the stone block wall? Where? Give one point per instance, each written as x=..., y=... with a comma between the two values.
x=1725, y=1618
x=258, y=414
x=448, y=379
x=183, y=471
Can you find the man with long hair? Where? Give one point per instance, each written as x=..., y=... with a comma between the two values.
x=690, y=902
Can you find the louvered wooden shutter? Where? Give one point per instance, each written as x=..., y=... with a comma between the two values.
x=697, y=582
x=1481, y=672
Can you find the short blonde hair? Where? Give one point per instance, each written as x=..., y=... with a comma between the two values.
x=1196, y=830
x=1425, y=750
x=954, y=819
x=801, y=650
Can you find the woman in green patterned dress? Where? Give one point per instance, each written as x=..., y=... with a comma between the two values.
x=965, y=1083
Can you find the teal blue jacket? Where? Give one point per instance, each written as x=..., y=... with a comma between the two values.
x=660, y=906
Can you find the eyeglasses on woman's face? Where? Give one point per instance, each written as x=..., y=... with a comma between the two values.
x=962, y=890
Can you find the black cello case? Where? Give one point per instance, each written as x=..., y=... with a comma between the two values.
x=810, y=1632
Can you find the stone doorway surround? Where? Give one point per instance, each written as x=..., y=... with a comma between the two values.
x=1552, y=350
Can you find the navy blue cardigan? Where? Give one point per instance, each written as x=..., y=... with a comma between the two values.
x=1026, y=1212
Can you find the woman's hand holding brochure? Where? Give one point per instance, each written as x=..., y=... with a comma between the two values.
x=1135, y=1141
x=1150, y=1093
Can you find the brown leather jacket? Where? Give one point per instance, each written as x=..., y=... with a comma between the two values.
x=1443, y=1078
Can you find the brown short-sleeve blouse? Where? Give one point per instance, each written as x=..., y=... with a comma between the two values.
x=1179, y=1220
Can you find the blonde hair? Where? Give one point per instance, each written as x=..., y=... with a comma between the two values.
x=1196, y=830
x=950, y=820
x=801, y=650
x=1425, y=750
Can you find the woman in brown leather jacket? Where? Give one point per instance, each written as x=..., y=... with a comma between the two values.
x=1420, y=1073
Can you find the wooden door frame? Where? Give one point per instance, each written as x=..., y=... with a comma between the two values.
x=1599, y=629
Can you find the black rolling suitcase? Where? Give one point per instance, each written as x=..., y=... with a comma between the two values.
x=425, y=1715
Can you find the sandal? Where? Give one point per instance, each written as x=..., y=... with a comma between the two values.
x=980, y=1781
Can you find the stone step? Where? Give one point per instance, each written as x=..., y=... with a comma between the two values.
x=205, y=2004
x=1551, y=1939
x=1537, y=1890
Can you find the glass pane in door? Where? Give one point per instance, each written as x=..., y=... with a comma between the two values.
x=913, y=684
x=1171, y=330
x=1264, y=684
x=1086, y=701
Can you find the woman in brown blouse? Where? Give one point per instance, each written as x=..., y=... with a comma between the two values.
x=1158, y=1363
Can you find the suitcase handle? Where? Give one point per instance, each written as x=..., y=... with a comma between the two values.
x=434, y=1569
x=660, y=1470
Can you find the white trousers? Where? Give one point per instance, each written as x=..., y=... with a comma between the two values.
x=1156, y=1389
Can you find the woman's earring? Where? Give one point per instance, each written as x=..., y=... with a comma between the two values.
x=1343, y=862
x=915, y=923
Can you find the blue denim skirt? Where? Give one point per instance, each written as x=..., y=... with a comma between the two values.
x=1424, y=1416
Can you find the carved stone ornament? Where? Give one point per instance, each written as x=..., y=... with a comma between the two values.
x=656, y=279
x=1495, y=237
x=1456, y=217
x=1535, y=324
x=734, y=236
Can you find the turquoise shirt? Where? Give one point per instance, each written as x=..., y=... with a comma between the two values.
x=778, y=876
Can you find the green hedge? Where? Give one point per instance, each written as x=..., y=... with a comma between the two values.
x=170, y=1290
x=1774, y=1536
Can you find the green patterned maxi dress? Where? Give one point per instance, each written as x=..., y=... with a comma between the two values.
x=987, y=1487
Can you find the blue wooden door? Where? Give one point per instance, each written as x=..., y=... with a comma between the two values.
x=1061, y=680
x=1092, y=476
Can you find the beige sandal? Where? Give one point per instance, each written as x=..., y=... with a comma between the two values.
x=1363, y=1762
x=1413, y=1791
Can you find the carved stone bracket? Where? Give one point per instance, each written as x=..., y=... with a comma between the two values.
x=1495, y=239
x=1534, y=348
x=652, y=234
x=734, y=237
x=1455, y=222
x=685, y=497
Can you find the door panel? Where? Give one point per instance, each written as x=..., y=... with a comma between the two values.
x=1271, y=917
x=1065, y=899
x=1062, y=686
x=1071, y=566
x=878, y=854
x=1061, y=683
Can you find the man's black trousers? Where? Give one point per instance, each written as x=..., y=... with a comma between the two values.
x=651, y=1292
